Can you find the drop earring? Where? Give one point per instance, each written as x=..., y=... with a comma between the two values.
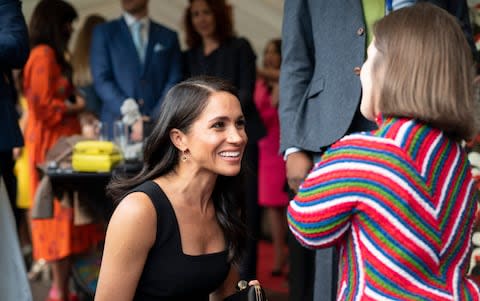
x=184, y=156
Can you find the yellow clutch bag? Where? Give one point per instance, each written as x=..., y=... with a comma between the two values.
x=95, y=156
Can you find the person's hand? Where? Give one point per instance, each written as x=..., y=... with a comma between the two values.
x=476, y=80
x=77, y=107
x=275, y=95
x=17, y=152
x=80, y=101
x=137, y=131
x=298, y=165
x=243, y=284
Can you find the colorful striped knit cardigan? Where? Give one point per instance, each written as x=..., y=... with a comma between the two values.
x=399, y=202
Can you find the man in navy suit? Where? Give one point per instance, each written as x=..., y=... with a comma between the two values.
x=133, y=58
x=14, y=52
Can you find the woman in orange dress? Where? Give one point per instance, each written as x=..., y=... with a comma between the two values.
x=53, y=109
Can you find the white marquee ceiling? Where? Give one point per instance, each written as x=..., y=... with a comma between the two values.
x=257, y=20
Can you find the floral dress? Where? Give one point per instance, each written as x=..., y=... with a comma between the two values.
x=46, y=90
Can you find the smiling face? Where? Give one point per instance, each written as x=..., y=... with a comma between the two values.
x=203, y=19
x=217, y=139
x=370, y=88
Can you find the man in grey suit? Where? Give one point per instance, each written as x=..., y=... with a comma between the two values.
x=324, y=46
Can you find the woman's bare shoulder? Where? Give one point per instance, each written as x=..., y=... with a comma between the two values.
x=136, y=217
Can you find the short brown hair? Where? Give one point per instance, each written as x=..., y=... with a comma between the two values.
x=427, y=69
x=222, y=13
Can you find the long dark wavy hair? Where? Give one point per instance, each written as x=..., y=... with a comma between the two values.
x=181, y=107
x=48, y=25
x=222, y=13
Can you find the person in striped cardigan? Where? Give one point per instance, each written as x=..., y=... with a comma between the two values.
x=399, y=201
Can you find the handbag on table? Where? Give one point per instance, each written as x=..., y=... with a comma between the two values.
x=95, y=156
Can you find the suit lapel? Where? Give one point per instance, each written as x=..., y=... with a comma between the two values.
x=128, y=42
x=152, y=35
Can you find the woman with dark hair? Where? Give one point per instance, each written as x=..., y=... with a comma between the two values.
x=214, y=50
x=177, y=232
x=53, y=29
x=53, y=109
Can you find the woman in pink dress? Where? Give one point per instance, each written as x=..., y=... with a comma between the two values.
x=271, y=166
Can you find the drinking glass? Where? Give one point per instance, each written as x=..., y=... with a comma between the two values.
x=120, y=134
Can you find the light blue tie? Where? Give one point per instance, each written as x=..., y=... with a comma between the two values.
x=138, y=39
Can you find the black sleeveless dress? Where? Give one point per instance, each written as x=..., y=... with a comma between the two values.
x=169, y=274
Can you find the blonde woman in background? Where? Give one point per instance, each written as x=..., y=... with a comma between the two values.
x=82, y=75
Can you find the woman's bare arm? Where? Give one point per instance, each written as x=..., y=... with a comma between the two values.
x=130, y=235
